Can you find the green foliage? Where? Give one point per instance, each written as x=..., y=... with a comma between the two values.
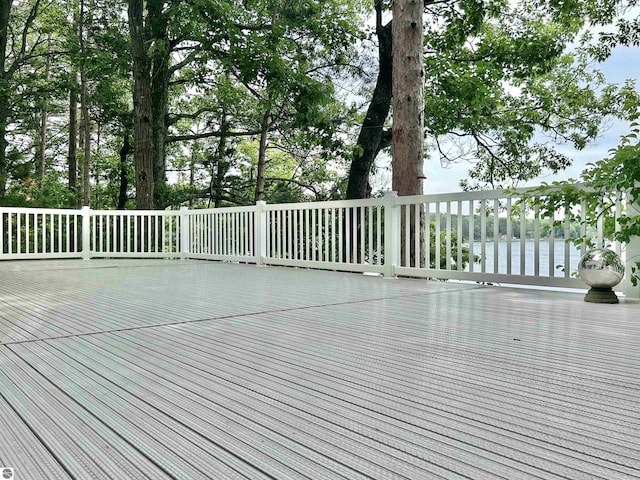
x=230, y=63
x=601, y=186
x=505, y=88
x=50, y=193
x=497, y=73
x=265, y=61
x=453, y=244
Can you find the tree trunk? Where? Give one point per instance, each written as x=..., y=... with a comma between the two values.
x=221, y=165
x=408, y=113
x=85, y=122
x=142, y=149
x=72, y=155
x=266, y=120
x=159, y=95
x=151, y=98
x=41, y=158
x=192, y=172
x=160, y=75
x=370, y=139
x=124, y=178
x=4, y=167
x=159, y=105
x=262, y=154
x=44, y=117
x=86, y=142
x=95, y=167
x=5, y=10
x=408, y=98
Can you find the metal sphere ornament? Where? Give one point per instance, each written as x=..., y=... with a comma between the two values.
x=602, y=270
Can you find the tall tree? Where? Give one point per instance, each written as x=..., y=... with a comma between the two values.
x=41, y=155
x=495, y=74
x=72, y=152
x=408, y=109
x=143, y=154
x=408, y=97
x=373, y=137
x=15, y=50
x=158, y=31
x=85, y=120
x=277, y=60
x=5, y=11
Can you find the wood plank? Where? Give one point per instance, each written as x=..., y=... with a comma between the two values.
x=207, y=370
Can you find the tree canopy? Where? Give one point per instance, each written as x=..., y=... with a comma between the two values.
x=505, y=84
x=156, y=104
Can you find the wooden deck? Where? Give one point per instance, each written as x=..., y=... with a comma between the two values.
x=196, y=370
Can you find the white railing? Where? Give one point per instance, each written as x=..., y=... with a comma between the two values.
x=136, y=233
x=486, y=236
x=40, y=233
x=221, y=234
x=343, y=235
x=493, y=236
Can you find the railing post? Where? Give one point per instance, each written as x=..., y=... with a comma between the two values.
x=260, y=233
x=632, y=256
x=391, y=234
x=86, y=232
x=185, y=248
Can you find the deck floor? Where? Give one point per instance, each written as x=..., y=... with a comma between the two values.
x=200, y=370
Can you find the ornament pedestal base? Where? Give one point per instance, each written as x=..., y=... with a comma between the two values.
x=601, y=295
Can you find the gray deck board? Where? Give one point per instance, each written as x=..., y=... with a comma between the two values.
x=154, y=369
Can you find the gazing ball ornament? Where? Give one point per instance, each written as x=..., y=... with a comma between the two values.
x=602, y=270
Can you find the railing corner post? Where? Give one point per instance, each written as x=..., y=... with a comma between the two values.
x=86, y=232
x=184, y=233
x=260, y=232
x=391, y=234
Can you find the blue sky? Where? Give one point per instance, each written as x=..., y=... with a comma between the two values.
x=624, y=63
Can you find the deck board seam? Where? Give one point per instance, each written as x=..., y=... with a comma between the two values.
x=236, y=315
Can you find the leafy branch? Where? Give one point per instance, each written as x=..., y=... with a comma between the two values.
x=603, y=184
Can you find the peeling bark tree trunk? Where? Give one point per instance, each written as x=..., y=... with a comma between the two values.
x=142, y=108
x=371, y=138
x=408, y=112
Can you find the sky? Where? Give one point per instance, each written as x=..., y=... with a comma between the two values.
x=623, y=64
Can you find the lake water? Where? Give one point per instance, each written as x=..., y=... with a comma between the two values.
x=529, y=255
